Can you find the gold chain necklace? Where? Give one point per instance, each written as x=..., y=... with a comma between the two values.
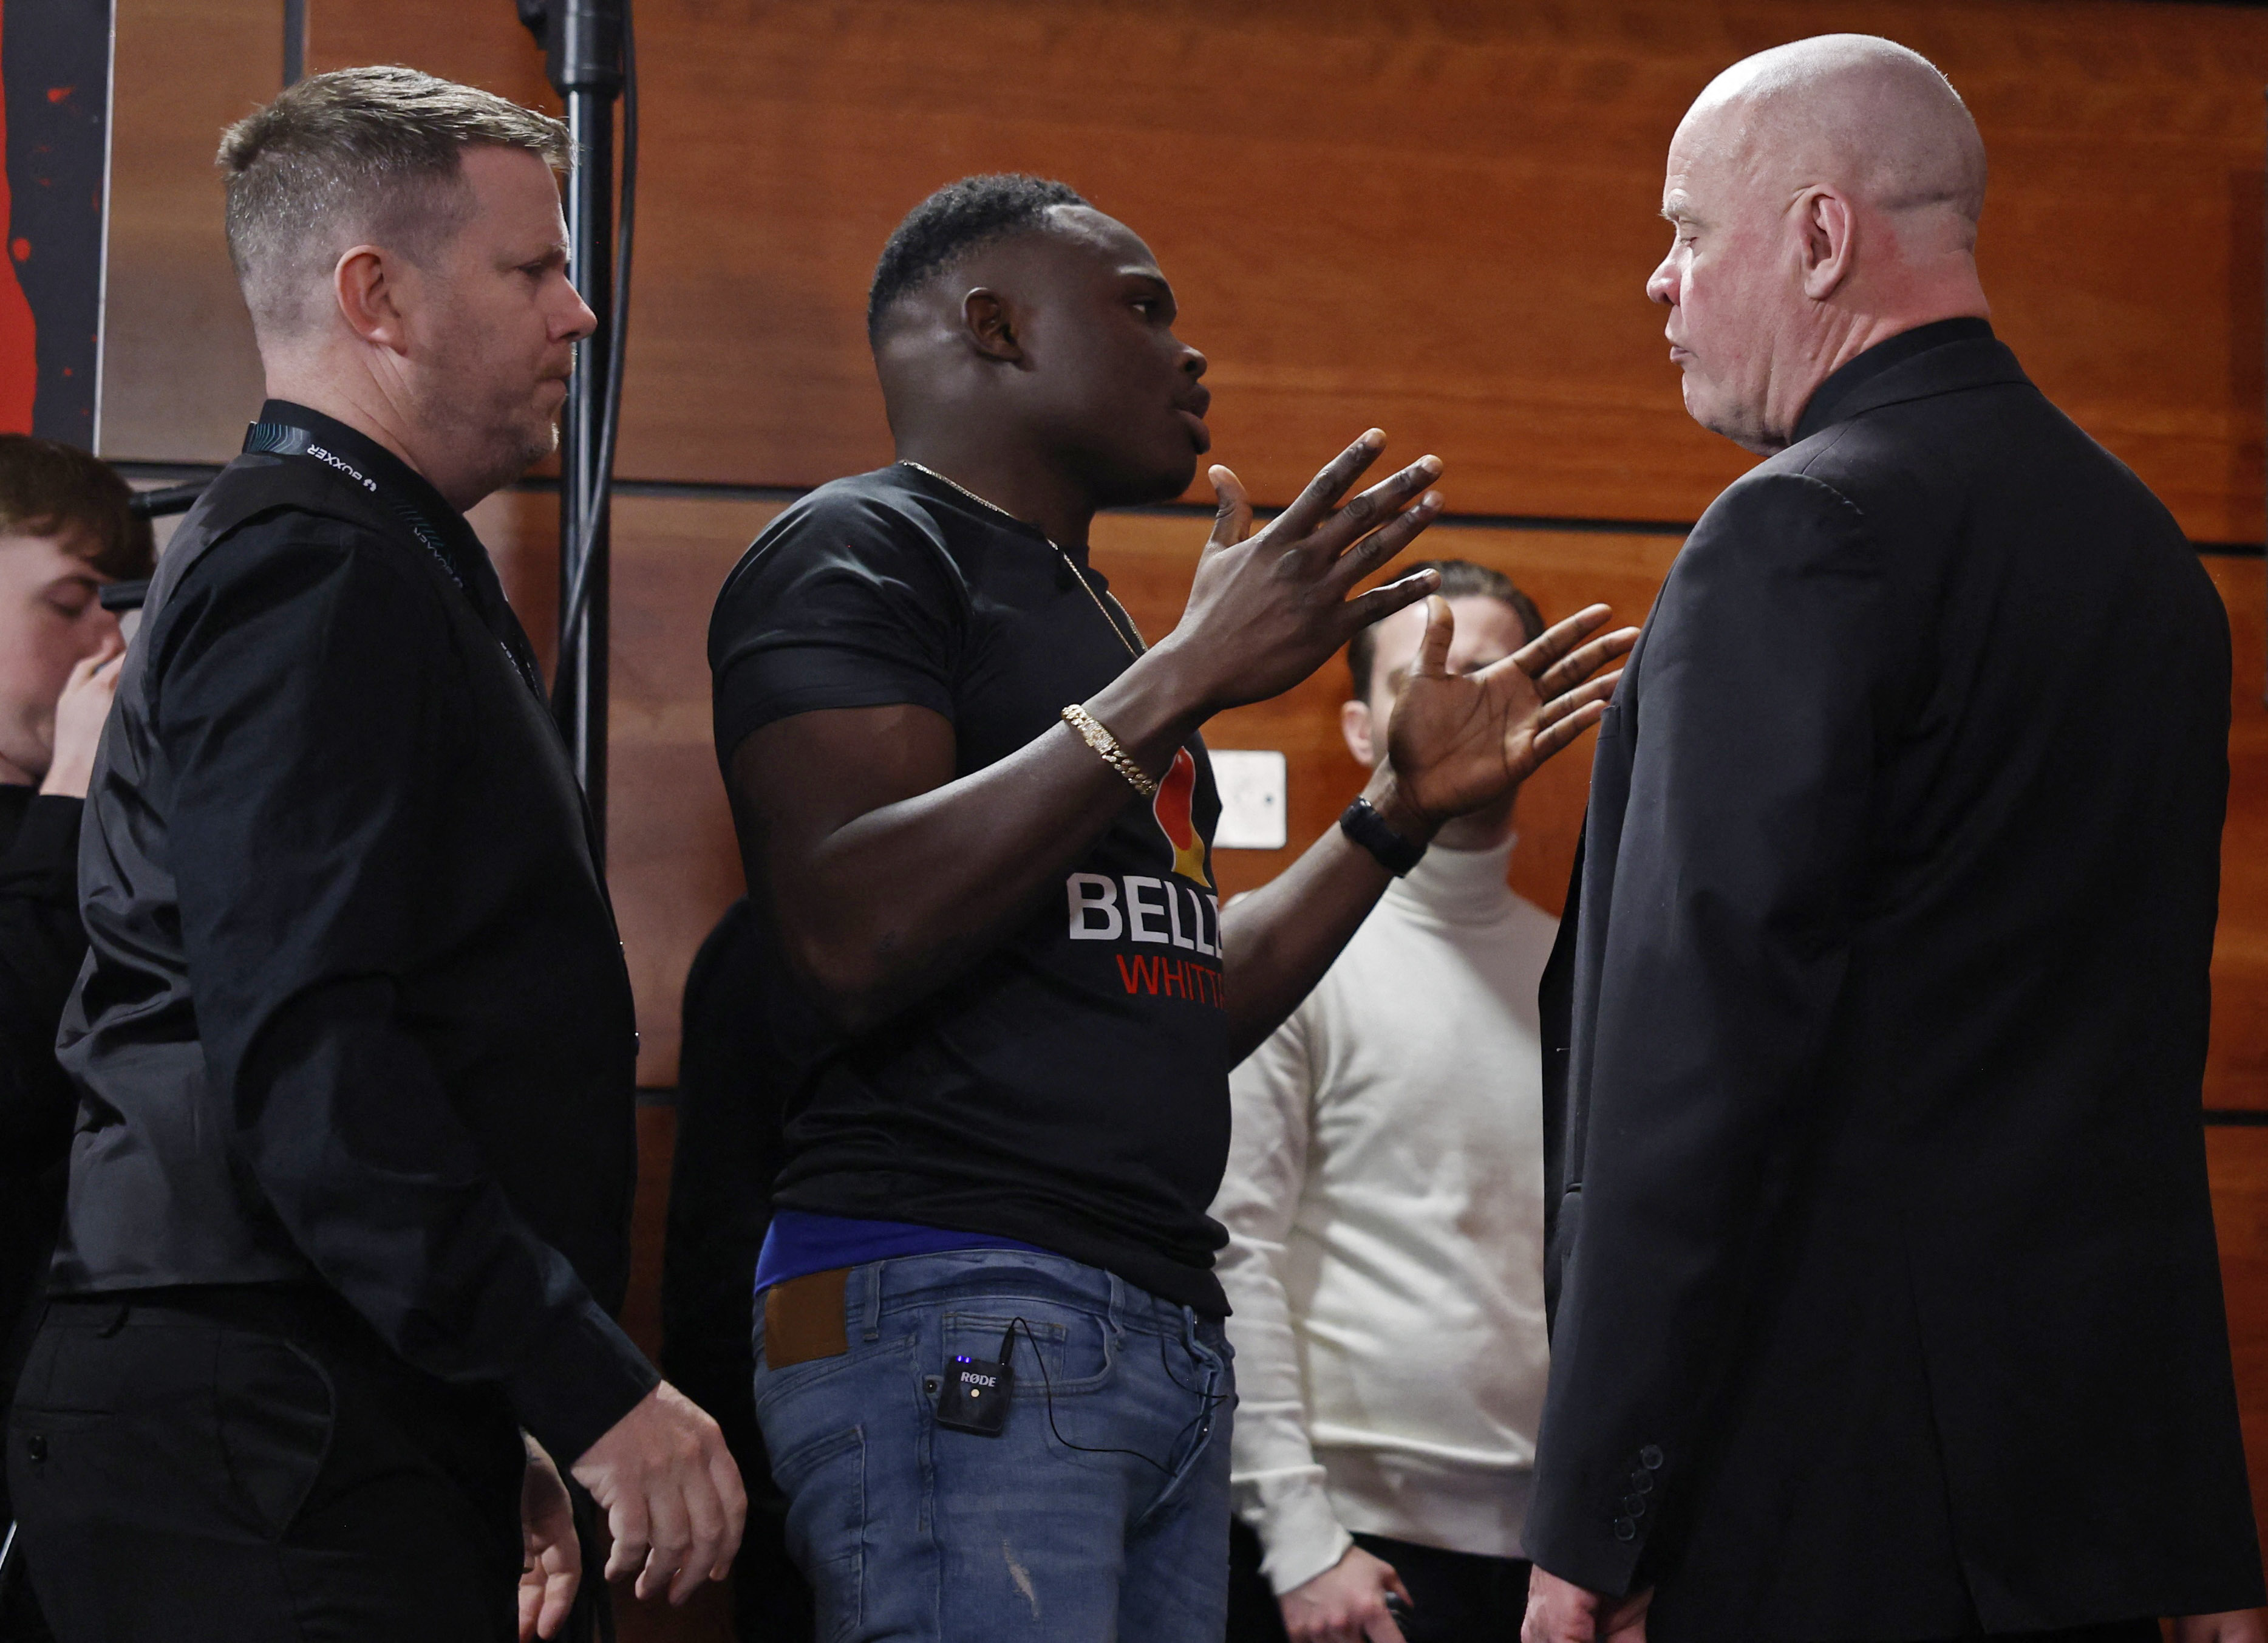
x=1134, y=646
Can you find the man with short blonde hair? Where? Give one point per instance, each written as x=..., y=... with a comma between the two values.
x=364, y=154
x=349, y=1210
x=1885, y=1300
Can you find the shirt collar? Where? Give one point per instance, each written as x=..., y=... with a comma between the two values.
x=397, y=484
x=358, y=450
x=408, y=494
x=1830, y=399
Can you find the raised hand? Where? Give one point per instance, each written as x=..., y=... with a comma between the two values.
x=1267, y=608
x=1458, y=742
x=80, y=714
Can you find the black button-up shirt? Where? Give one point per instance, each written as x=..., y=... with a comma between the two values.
x=358, y=1012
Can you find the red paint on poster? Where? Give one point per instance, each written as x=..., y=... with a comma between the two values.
x=20, y=348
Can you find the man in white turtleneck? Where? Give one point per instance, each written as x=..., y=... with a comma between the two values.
x=1385, y=1210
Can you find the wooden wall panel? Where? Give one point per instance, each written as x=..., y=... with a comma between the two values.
x=2236, y=1074
x=179, y=378
x=672, y=865
x=1437, y=218
x=2237, y=1160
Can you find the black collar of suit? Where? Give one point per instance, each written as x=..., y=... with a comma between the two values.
x=1940, y=357
x=345, y=463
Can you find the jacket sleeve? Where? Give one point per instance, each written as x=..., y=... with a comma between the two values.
x=305, y=695
x=41, y=943
x=1767, y=683
x=1276, y=1482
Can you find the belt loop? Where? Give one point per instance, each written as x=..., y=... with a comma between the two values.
x=1118, y=1304
x=871, y=1301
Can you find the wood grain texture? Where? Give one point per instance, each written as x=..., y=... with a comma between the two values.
x=1433, y=217
x=179, y=378
x=2236, y=1071
x=2236, y=1162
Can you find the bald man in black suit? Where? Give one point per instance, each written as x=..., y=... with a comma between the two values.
x=1887, y=1300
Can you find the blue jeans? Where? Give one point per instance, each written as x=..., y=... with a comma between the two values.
x=1100, y=1512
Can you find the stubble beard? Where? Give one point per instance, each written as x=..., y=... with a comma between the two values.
x=500, y=440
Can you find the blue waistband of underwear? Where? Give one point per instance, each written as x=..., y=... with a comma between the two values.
x=799, y=1242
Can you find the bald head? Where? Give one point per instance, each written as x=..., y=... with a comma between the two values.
x=1861, y=113
x=1826, y=196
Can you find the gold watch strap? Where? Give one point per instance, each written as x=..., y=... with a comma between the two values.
x=1092, y=732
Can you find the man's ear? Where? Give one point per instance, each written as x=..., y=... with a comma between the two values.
x=365, y=284
x=1830, y=232
x=1355, y=725
x=989, y=328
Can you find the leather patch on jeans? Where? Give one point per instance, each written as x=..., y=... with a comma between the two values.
x=804, y=1319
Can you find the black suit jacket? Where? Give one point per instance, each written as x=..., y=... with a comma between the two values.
x=1886, y=1297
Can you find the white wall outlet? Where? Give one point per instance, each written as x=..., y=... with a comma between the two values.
x=1255, y=799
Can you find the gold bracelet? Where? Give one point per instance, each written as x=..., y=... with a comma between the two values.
x=1092, y=732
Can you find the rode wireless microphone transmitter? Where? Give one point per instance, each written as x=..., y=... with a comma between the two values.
x=975, y=1395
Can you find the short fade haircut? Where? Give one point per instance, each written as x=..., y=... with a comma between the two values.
x=954, y=221
x=58, y=490
x=1460, y=578
x=358, y=154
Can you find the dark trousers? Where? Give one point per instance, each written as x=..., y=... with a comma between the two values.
x=2117, y=1632
x=254, y=1463
x=1460, y=1598
x=1456, y=1596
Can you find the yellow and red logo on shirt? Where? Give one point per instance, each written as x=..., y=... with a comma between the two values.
x=1171, y=806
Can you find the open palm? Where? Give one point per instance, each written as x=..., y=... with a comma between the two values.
x=1458, y=741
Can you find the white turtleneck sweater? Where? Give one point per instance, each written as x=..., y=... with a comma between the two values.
x=1384, y=1201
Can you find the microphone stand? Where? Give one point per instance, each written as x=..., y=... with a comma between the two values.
x=590, y=58
x=585, y=60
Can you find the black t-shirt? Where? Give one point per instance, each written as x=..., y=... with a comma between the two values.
x=1070, y=1089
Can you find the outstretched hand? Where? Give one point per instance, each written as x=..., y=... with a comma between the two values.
x=1267, y=607
x=1458, y=741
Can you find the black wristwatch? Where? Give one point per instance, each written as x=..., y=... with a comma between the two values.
x=1366, y=828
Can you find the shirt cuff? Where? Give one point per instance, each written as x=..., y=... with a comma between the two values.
x=572, y=1389
x=1301, y=1535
